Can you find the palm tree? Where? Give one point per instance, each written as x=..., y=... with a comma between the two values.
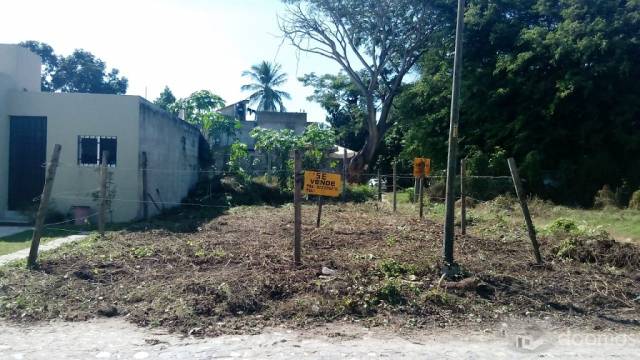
x=266, y=78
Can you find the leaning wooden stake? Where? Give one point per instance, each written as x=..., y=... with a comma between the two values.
x=42, y=209
x=102, y=212
x=297, y=207
x=463, y=200
x=525, y=209
x=395, y=186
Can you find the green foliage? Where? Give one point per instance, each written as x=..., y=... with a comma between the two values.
x=238, y=157
x=316, y=141
x=80, y=72
x=552, y=85
x=359, y=193
x=393, y=269
x=166, y=99
x=390, y=292
x=566, y=248
x=634, y=203
x=344, y=104
x=562, y=226
x=604, y=198
x=266, y=78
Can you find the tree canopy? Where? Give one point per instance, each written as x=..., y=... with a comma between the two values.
x=551, y=83
x=166, y=99
x=383, y=38
x=266, y=77
x=79, y=72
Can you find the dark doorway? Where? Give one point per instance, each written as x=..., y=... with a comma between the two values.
x=27, y=157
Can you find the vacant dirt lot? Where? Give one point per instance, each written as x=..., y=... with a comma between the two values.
x=234, y=274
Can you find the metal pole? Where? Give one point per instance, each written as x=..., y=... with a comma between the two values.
x=298, y=179
x=450, y=268
x=463, y=200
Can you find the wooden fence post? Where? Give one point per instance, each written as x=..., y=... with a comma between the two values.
x=525, y=208
x=319, y=211
x=379, y=186
x=421, y=198
x=297, y=207
x=395, y=185
x=145, y=187
x=344, y=174
x=42, y=209
x=102, y=212
x=463, y=199
x=415, y=189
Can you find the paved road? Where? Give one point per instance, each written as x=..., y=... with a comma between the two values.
x=49, y=245
x=117, y=339
x=11, y=230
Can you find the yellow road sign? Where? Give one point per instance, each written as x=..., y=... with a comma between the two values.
x=419, y=164
x=322, y=183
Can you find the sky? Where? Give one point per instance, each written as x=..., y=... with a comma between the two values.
x=187, y=45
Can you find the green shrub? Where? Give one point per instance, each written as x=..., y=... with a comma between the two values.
x=566, y=248
x=562, y=226
x=391, y=268
x=604, y=198
x=409, y=193
x=634, y=203
x=390, y=292
x=360, y=193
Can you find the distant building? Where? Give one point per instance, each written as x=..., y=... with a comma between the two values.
x=296, y=121
x=129, y=127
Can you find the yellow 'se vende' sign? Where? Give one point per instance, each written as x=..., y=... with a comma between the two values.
x=420, y=165
x=322, y=183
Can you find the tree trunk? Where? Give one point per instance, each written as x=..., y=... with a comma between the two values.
x=359, y=163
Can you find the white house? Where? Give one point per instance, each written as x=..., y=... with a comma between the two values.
x=129, y=127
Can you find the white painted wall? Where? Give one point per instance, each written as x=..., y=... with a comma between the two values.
x=171, y=145
x=19, y=71
x=22, y=66
x=72, y=115
x=6, y=84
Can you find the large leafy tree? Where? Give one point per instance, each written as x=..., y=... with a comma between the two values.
x=266, y=77
x=199, y=109
x=49, y=61
x=166, y=99
x=552, y=83
x=84, y=73
x=79, y=72
x=344, y=104
x=376, y=42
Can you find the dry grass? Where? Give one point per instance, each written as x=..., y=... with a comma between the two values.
x=235, y=274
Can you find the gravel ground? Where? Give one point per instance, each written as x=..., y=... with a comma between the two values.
x=118, y=339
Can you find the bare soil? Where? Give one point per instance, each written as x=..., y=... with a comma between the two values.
x=234, y=274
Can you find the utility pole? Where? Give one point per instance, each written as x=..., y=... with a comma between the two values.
x=298, y=180
x=450, y=268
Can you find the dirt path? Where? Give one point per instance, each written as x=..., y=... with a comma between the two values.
x=117, y=339
x=49, y=245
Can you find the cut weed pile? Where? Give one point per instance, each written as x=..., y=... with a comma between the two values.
x=234, y=274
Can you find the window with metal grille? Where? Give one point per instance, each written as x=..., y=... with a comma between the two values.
x=91, y=148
